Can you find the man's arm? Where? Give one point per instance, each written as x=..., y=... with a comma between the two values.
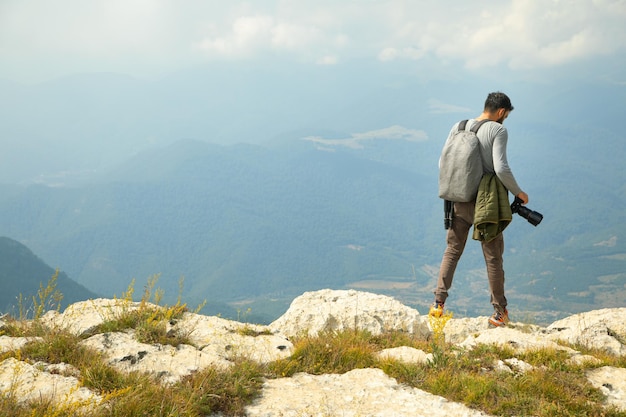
x=501, y=165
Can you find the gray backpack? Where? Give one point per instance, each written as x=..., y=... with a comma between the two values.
x=460, y=165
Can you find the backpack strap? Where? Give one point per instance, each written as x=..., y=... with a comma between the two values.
x=477, y=125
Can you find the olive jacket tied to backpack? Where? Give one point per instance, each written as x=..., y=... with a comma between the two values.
x=493, y=211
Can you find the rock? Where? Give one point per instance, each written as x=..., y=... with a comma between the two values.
x=612, y=382
x=229, y=338
x=337, y=310
x=580, y=359
x=216, y=339
x=513, y=338
x=64, y=369
x=166, y=362
x=27, y=383
x=500, y=366
x=82, y=317
x=215, y=342
x=601, y=329
x=518, y=366
x=361, y=392
x=457, y=330
x=405, y=354
x=8, y=344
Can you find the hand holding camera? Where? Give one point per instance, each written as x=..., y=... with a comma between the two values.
x=533, y=217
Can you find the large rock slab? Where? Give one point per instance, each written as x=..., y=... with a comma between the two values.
x=214, y=343
x=361, y=392
x=337, y=310
x=214, y=339
x=166, y=362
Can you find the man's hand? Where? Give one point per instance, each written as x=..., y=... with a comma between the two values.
x=523, y=196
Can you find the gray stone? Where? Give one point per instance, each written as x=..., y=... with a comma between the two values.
x=337, y=310
x=405, y=354
x=166, y=362
x=229, y=338
x=27, y=383
x=361, y=392
x=602, y=329
x=612, y=382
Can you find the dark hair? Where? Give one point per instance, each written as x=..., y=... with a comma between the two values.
x=498, y=100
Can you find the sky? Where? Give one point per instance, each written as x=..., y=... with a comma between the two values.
x=41, y=39
x=230, y=71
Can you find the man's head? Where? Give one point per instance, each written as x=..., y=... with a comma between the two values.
x=498, y=106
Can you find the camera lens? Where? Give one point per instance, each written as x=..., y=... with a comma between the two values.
x=532, y=216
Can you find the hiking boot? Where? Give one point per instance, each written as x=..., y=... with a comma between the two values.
x=436, y=310
x=500, y=317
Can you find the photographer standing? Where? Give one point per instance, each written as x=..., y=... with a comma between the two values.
x=492, y=137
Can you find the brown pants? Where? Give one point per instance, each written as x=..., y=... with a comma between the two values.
x=456, y=239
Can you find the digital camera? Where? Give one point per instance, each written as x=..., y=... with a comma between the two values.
x=533, y=217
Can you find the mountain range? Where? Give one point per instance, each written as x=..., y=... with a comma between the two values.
x=249, y=226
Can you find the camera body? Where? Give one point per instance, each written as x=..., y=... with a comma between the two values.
x=533, y=217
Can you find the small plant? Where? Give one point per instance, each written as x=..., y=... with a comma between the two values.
x=148, y=319
x=438, y=324
x=47, y=298
x=440, y=357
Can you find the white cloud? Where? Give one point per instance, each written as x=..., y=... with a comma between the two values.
x=439, y=107
x=327, y=60
x=523, y=34
x=356, y=140
x=153, y=35
x=248, y=34
x=390, y=54
x=290, y=36
x=611, y=242
x=252, y=35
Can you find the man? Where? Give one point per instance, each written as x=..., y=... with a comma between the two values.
x=493, y=138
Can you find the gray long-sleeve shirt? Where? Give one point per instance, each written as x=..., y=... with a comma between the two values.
x=493, y=139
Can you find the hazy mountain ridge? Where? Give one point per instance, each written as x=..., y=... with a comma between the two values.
x=238, y=219
x=285, y=215
x=239, y=222
x=88, y=123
